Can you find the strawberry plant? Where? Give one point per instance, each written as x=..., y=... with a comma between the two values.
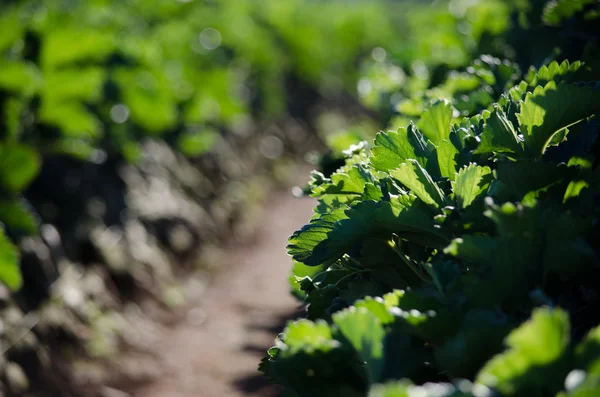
x=458, y=256
x=462, y=229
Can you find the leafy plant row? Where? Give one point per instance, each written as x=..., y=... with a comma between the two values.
x=458, y=256
x=99, y=99
x=93, y=79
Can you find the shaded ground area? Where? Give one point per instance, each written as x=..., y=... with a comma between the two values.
x=217, y=350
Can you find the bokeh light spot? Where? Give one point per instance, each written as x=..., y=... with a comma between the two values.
x=271, y=147
x=378, y=54
x=119, y=113
x=210, y=38
x=364, y=87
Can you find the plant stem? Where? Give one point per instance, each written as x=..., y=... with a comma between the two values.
x=352, y=274
x=324, y=273
x=410, y=265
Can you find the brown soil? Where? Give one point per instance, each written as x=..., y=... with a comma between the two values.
x=216, y=352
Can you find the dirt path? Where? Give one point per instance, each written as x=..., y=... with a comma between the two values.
x=243, y=308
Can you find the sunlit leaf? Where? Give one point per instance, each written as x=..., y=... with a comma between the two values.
x=10, y=273
x=470, y=182
x=19, y=165
x=435, y=121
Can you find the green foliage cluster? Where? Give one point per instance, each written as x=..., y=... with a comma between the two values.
x=529, y=38
x=106, y=73
x=92, y=79
x=458, y=255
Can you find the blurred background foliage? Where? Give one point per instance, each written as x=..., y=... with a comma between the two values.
x=136, y=135
x=85, y=75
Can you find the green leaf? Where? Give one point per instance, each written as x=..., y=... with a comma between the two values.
x=359, y=286
x=558, y=10
x=73, y=118
x=446, y=158
x=392, y=389
x=59, y=48
x=14, y=109
x=308, y=336
x=566, y=250
x=379, y=254
x=376, y=306
x=327, y=238
x=521, y=177
x=319, y=300
x=553, y=72
x=499, y=135
x=12, y=28
x=20, y=77
x=559, y=137
x=310, y=362
x=473, y=248
x=435, y=121
x=412, y=219
x=533, y=360
x=341, y=141
x=415, y=178
x=371, y=192
x=152, y=105
x=301, y=272
x=10, y=273
x=551, y=108
x=587, y=352
x=74, y=147
x=479, y=337
x=394, y=148
x=196, y=143
x=507, y=263
x=365, y=332
x=19, y=165
x=17, y=215
x=574, y=188
x=470, y=182
x=345, y=187
x=305, y=241
x=347, y=233
x=59, y=87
